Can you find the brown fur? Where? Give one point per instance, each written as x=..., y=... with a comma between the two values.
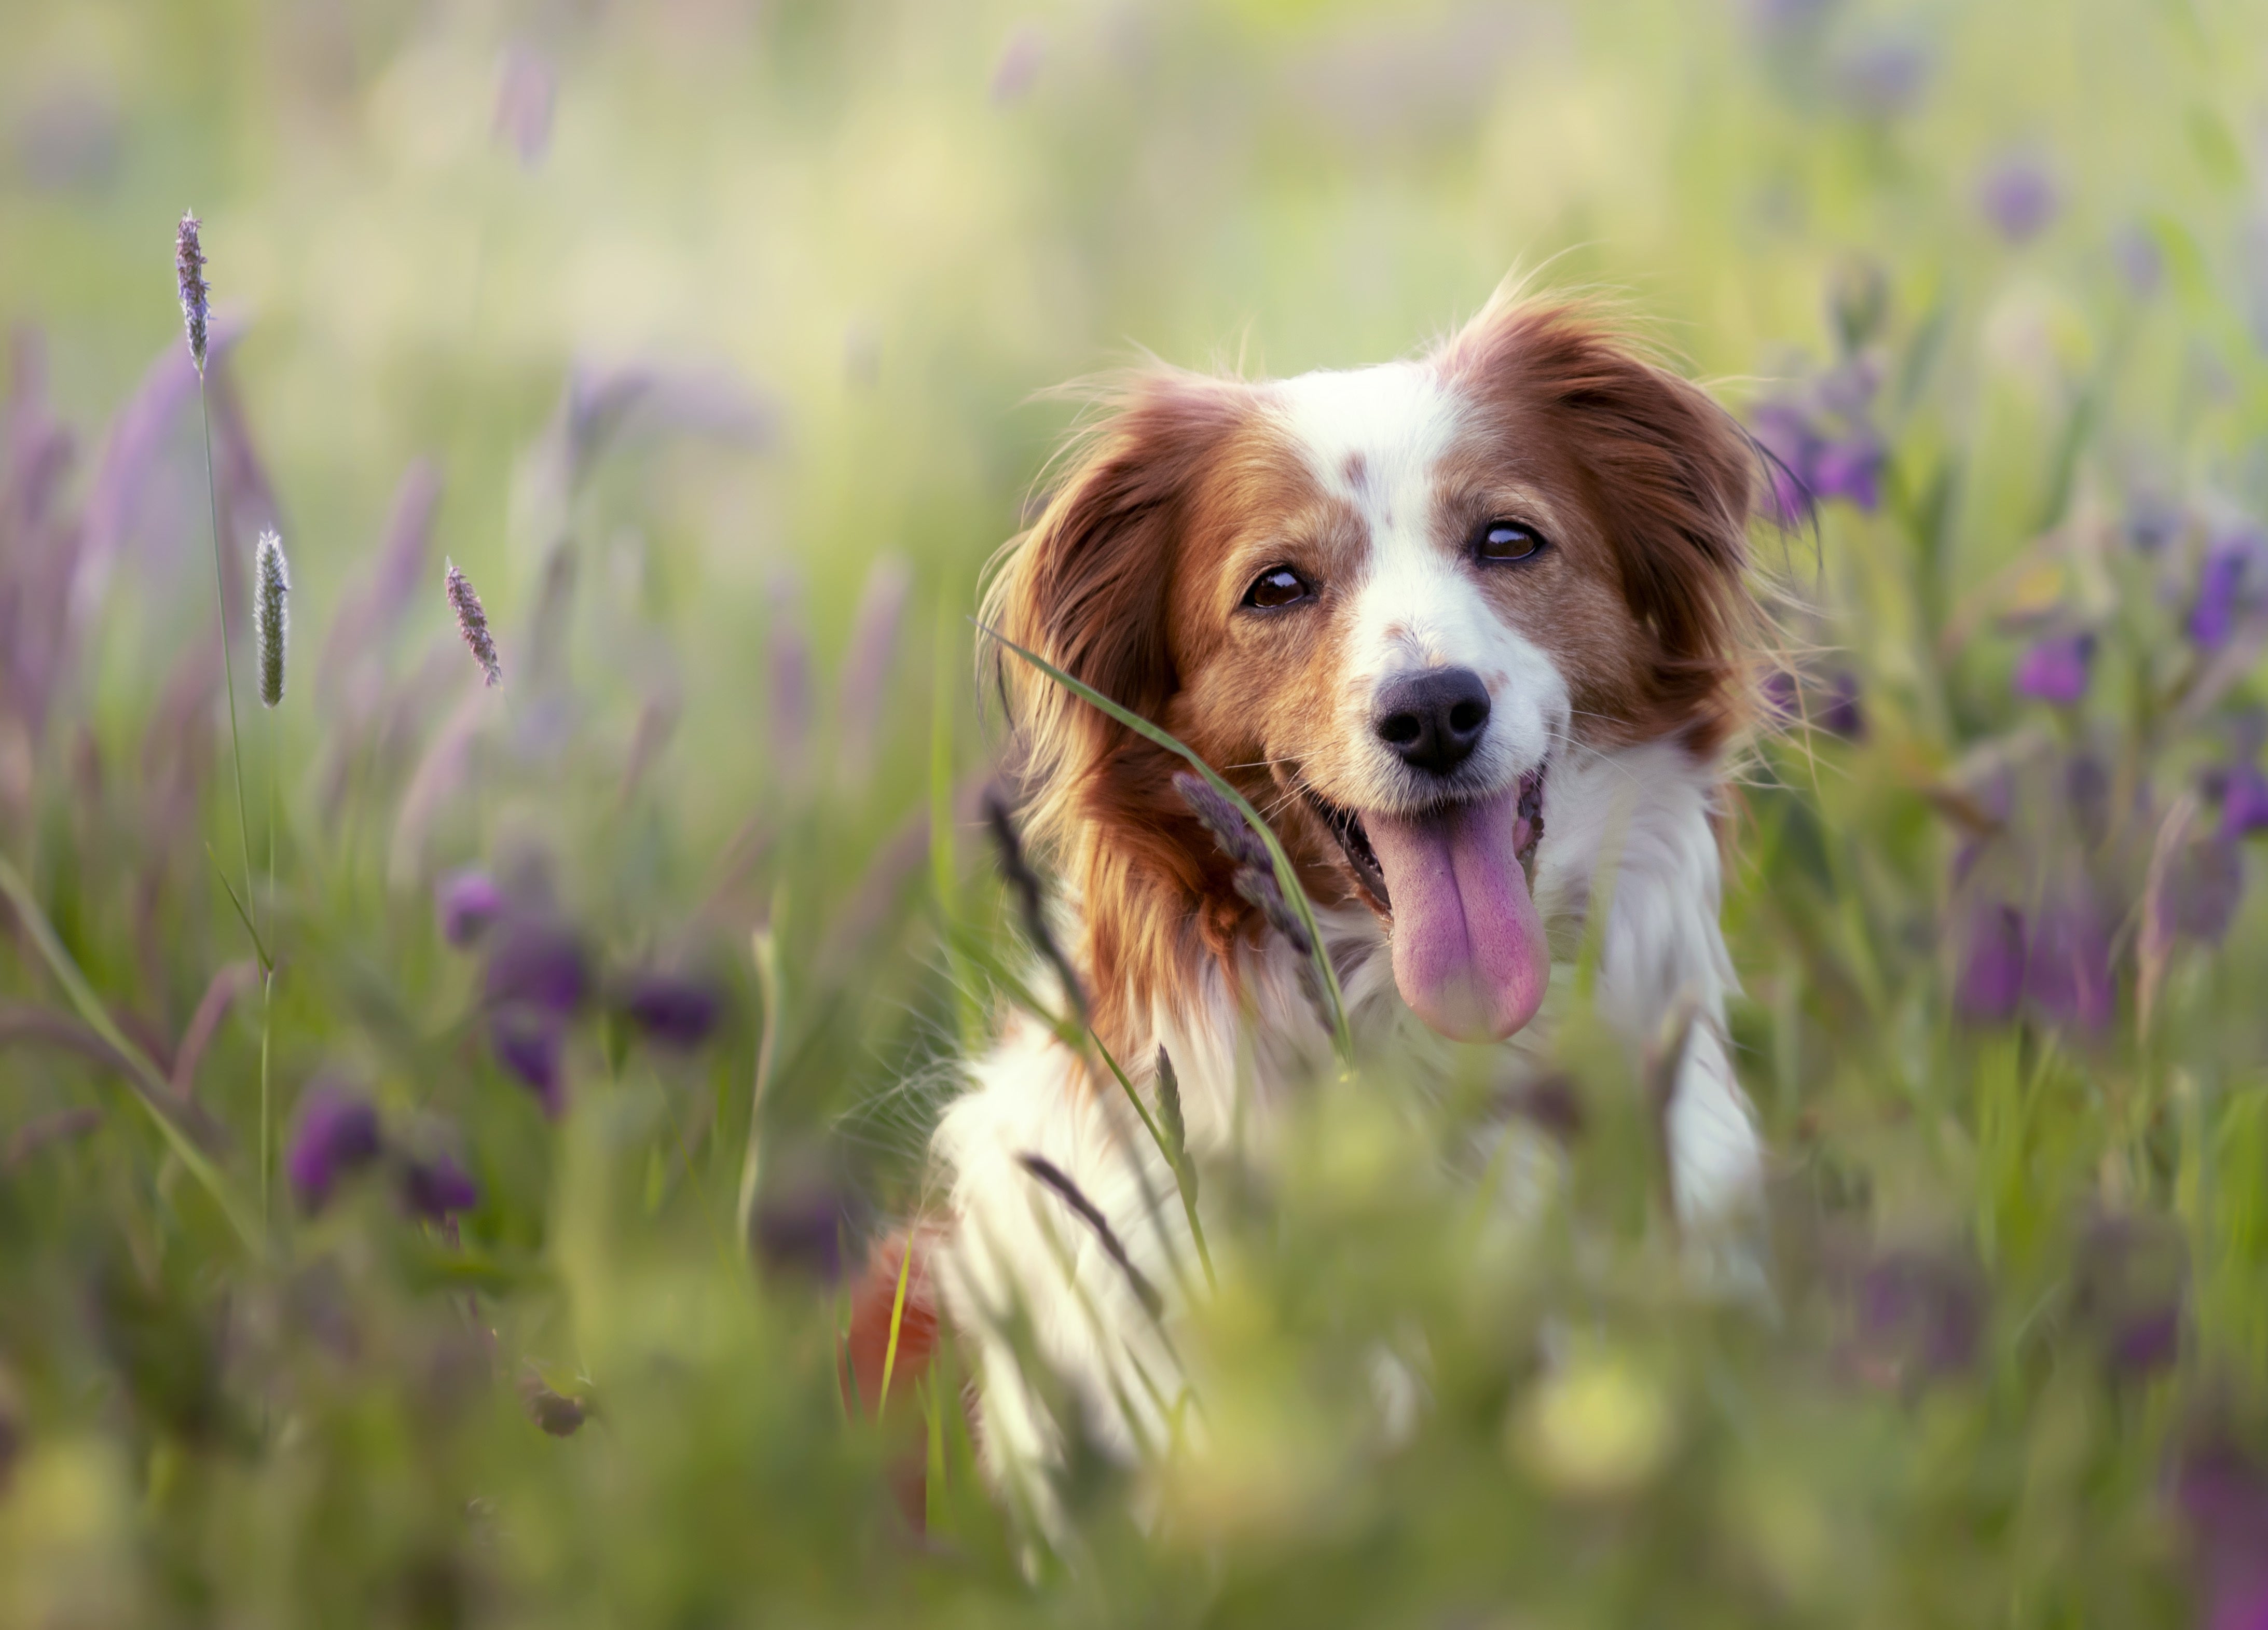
x=1187, y=488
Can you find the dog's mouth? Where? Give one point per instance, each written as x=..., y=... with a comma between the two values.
x=1362, y=861
x=1454, y=885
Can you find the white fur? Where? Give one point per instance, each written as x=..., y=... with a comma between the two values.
x=1019, y=1267
x=1415, y=607
x=1025, y=1279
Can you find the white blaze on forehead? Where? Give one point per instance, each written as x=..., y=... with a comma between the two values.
x=1376, y=438
x=1395, y=418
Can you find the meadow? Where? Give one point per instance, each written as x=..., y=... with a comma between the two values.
x=438, y=1118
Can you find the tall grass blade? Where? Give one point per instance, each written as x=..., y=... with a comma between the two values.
x=151, y=1088
x=1286, y=877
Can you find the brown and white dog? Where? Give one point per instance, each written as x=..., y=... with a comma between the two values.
x=1470, y=630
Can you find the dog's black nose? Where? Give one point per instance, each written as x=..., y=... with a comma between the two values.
x=1433, y=719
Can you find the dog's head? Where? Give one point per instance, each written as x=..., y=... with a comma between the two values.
x=1381, y=602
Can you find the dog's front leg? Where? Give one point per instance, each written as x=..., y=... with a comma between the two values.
x=1065, y=1265
x=1643, y=816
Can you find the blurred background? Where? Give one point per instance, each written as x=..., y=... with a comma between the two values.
x=461, y=1243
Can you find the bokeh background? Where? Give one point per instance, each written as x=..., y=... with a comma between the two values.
x=464, y=1246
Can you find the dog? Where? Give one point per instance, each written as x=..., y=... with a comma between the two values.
x=1476, y=632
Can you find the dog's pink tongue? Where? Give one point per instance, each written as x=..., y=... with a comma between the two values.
x=1469, y=949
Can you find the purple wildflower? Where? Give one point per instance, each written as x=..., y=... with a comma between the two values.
x=2203, y=886
x=2223, y=1492
x=1884, y=79
x=529, y=1044
x=1842, y=716
x=538, y=963
x=1916, y=1316
x=2018, y=197
x=336, y=1132
x=1850, y=469
x=801, y=1229
x=2222, y=589
x=2068, y=977
x=526, y=89
x=2152, y=523
x=674, y=1013
x=1778, y=17
x=1018, y=64
x=436, y=1187
x=2056, y=669
x=2087, y=790
x=1991, y=977
x=467, y=903
x=2244, y=801
x=1834, y=707
x=1785, y=432
x=2141, y=262
x=2129, y=1286
x=1810, y=464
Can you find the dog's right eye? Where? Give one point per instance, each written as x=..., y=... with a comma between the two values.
x=1277, y=587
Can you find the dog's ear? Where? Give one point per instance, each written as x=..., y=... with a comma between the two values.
x=1671, y=476
x=1087, y=586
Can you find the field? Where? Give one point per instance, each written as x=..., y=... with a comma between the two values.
x=437, y=1118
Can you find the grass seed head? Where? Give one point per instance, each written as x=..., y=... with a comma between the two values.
x=190, y=266
x=1256, y=870
x=271, y=615
x=473, y=623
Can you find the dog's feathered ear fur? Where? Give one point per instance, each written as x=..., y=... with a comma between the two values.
x=1088, y=587
x=1672, y=476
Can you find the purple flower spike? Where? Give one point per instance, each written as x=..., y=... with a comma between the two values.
x=1783, y=432
x=336, y=1132
x=1810, y=464
x=2222, y=582
x=1850, y=469
x=538, y=964
x=2129, y=1286
x=2141, y=262
x=2224, y=1494
x=2019, y=197
x=1917, y=1316
x=2204, y=884
x=673, y=1012
x=2068, y=972
x=1842, y=716
x=2245, y=802
x=1991, y=964
x=436, y=1187
x=2152, y=523
x=801, y=1229
x=530, y=1044
x=1834, y=707
x=467, y=903
x=2056, y=670
x=526, y=92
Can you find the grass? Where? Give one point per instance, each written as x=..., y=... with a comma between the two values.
x=746, y=326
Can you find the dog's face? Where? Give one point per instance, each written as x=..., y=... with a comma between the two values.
x=1383, y=601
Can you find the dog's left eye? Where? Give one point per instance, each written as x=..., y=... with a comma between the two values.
x=1506, y=540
